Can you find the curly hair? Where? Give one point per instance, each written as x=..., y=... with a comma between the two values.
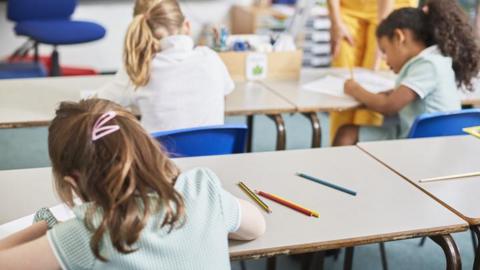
x=445, y=24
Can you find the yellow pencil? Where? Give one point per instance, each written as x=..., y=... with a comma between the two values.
x=474, y=131
x=254, y=197
x=350, y=66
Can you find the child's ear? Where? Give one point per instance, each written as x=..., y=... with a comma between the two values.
x=399, y=35
x=186, y=28
x=71, y=181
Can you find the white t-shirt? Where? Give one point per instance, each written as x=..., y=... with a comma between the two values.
x=186, y=88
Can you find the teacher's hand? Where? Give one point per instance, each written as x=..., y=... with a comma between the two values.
x=339, y=32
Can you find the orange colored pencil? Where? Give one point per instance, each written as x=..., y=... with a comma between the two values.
x=287, y=203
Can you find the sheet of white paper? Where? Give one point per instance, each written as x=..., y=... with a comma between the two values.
x=333, y=84
x=61, y=212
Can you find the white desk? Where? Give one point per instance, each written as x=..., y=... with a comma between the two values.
x=309, y=103
x=386, y=207
x=32, y=102
x=417, y=159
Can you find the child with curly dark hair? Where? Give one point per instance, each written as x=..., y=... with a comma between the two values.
x=434, y=50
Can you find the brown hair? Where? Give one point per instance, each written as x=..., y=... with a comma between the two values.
x=143, y=35
x=117, y=173
x=444, y=23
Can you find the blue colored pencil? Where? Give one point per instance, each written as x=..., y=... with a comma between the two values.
x=325, y=183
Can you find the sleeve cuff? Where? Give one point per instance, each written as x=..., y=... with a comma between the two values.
x=414, y=88
x=239, y=217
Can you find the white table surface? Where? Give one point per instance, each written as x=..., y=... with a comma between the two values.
x=307, y=101
x=32, y=102
x=385, y=208
x=417, y=159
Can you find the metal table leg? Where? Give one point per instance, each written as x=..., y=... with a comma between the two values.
x=271, y=263
x=250, y=132
x=281, y=134
x=383, y=255
x=452, y=255
x=476, y=263
x=348, y=262
x=316, y=129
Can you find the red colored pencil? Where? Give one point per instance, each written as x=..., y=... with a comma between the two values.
x=287, y=203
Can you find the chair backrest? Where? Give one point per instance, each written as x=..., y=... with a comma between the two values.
x=25, y=10
x=204, y=141
x=444, y=123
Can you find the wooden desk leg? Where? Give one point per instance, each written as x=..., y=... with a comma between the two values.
x=348, y=261
x=280, y=125
x=316, y=129
x=476, y=263
x=250, y=133
x=452, y=255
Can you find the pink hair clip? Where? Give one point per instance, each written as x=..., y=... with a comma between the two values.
x=99, y=130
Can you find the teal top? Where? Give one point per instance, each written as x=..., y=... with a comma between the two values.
x=430, y=75
x=201, y=243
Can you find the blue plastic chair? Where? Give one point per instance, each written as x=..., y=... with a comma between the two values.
x=444, y=123
x=204, y=141
x=49, y=22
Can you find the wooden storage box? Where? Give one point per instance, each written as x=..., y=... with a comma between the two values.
x=281, y=65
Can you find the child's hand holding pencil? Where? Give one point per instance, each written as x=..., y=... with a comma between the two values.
x=350, y=87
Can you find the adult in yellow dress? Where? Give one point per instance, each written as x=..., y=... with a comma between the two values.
x=354, y=44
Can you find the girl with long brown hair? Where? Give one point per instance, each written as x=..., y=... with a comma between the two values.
x=137, y=210
x=435, y=51
x=173, y=83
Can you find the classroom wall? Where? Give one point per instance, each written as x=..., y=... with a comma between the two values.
x=114, y=15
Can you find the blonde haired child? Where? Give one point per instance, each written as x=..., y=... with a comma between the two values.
x=173, y=84
x=434, y=50
x=138, y=210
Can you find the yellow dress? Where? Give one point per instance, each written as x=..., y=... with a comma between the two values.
x=361, y=19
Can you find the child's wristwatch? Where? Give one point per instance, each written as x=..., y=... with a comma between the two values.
x=45, y=214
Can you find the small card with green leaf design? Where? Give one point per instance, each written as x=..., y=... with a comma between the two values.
x=256, y=66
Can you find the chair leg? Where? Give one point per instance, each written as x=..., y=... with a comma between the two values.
x=36, y=56
x=21, y=51
x=422, y=241
x=383, y=255
x=55, y=69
